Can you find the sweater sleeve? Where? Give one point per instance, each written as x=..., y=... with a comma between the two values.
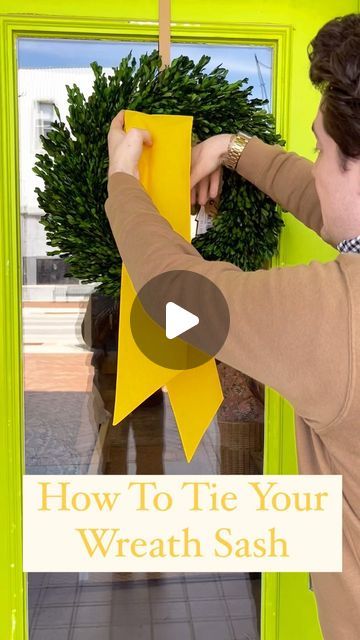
x=289, y=327
x=285, y=177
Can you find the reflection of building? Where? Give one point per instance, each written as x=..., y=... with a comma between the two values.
x=38, y=90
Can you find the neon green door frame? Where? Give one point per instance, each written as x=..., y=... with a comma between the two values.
x=280, y=457
x=279, y=39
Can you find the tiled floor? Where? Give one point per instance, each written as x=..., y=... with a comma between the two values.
x=62, y=436
x=171, y=607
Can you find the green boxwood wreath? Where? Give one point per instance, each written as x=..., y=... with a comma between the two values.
x=75, y=162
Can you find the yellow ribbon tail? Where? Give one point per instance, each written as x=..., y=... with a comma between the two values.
x=195, y=394
x=137, y=376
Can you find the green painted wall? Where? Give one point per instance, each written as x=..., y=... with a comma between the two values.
x=289, y=610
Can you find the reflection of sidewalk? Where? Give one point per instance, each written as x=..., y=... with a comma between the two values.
x=58, y=372
x=61, y=430
x=55, y=355
x=53, y=328
x=41, y=304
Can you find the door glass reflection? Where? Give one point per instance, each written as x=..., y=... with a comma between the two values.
x=70, y=349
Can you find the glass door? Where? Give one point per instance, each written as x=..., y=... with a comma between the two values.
x=70, y=348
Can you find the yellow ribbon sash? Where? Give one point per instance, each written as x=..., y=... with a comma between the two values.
x=195, y=394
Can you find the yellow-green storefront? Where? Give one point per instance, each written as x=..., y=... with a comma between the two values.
x=288, y=606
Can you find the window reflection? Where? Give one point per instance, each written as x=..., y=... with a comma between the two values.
x=253, y=63
x=45, y=115
x=70, y=353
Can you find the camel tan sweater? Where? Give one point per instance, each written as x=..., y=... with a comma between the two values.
x=296, y=329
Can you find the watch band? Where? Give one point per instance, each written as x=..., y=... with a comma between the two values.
x=236, y=146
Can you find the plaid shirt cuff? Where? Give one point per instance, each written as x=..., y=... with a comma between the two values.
x=352, y=245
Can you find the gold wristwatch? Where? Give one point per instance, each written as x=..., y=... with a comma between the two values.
x=237, y=144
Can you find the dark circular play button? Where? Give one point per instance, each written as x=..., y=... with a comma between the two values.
x=180, y=319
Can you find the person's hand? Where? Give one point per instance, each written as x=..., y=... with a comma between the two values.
x=206, y=161
x=125, y=149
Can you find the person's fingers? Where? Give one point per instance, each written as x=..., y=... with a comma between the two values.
x=203, y=191
x=121, y=118
x=214, y=183
x=146, y=136
x=195, y=176
x=194, y=171
x=117, y=123
x=143, y=134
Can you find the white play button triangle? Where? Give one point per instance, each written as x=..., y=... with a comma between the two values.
x=178, y=320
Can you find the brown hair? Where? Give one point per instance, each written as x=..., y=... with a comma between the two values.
x=334, y=56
